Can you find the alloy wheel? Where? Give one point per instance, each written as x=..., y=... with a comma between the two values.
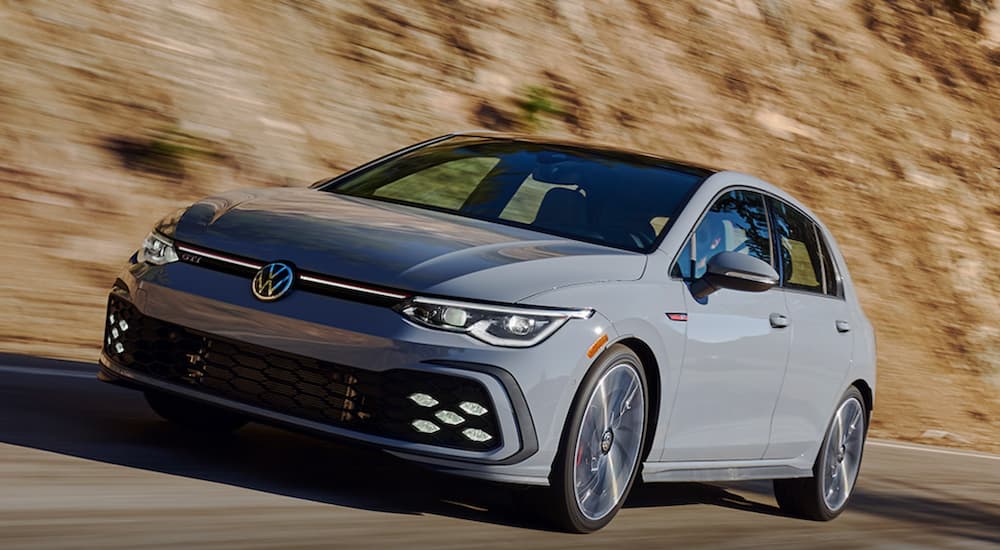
x=842, y=456
x=609, y=441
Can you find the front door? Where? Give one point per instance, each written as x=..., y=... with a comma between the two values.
x=737, y=346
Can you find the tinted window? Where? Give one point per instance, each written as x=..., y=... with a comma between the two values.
x=801, y=261
x=737, y=222
x=446, y=185
x=523, y=206
x=609, y=198
x=830, y=275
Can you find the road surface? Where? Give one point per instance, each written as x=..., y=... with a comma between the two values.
x=86, y=465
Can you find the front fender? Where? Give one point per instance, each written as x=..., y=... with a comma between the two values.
x=637, y=310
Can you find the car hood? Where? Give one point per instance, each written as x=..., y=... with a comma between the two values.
x=398, y=246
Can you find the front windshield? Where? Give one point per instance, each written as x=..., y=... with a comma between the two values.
x=615, y=199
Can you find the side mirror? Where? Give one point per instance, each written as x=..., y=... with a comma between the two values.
x=734, y=271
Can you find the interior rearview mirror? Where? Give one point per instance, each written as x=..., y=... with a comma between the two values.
x=734, y=271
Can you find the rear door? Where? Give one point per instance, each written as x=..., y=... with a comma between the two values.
x=820, y=331
x=734, y=359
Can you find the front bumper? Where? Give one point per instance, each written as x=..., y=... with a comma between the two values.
x=275, y=362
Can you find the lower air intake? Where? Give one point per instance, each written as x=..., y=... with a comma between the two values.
x=409, y=405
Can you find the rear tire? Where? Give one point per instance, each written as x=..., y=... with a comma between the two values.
x=825, y=495
x=194, y=415
x=601, y=449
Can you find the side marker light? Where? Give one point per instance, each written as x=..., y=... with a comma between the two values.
x=596, y=346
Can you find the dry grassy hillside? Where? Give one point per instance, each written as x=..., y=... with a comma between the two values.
x=882, y=116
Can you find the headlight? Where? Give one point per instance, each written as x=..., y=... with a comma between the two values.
x=157, y=250
x=507, y=326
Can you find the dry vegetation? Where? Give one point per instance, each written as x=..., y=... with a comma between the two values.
x=882, y=116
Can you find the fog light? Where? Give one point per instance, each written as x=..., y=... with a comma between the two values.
x=475, y=434
x=425, y=426
x=475, y=409
x=123, y=325
x=449, y=417
x=119, y=347
x=423, y=399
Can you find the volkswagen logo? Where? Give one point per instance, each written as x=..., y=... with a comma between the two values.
x=272, y=281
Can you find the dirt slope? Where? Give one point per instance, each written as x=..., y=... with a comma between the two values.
x=883, y=117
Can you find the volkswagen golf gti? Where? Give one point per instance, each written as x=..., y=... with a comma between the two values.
x=532, y=312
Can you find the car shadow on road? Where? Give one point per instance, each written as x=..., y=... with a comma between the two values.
x=956, y=516
x=675, y=494
x=82, y=417
x=76, y=415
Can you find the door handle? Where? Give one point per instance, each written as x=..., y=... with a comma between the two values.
x=778, y=320
x=843, y=326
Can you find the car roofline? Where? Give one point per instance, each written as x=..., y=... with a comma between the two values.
x=596, y=147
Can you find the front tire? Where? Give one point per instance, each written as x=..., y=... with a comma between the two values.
x=602, y=443
x=194, y=415
x=825, y=495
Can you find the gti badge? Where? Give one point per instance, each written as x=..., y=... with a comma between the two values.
x=272, y=281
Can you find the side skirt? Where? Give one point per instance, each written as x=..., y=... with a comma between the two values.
x=653, y=472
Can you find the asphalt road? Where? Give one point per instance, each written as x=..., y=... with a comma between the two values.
x=86, y=465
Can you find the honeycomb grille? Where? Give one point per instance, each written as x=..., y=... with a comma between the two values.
x=385, y=403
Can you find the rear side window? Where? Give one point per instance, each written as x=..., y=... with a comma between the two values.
x=830, y=275
x=799, y=250
x=737, y=222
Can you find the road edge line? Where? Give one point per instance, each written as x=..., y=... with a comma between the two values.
x=46, y=371
x=905, y=445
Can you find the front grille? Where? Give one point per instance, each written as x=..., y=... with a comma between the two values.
x=389, y=404
x=306, y=280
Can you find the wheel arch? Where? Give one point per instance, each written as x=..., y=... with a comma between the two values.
x=651, y=369
x=866, y=392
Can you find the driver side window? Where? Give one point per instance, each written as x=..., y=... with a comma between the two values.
x=737, y=222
